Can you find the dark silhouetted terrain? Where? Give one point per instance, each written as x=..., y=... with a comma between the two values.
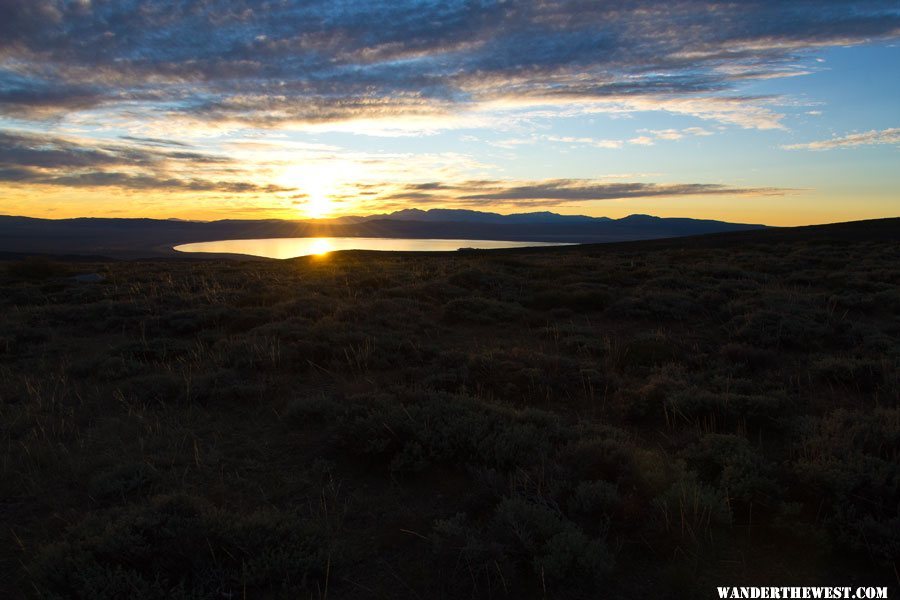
x=635, y=420
x=143, y=238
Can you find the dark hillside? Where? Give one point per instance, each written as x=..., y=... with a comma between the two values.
x=636, y=420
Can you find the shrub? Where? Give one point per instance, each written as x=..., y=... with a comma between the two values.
x=560, y=552
x=649, y=350
x=729, y=409
x=36, y=267
x=228, y=385
x=180, y=547
x=850, y=460
x=121, y=481
x=752, y=358
x=107, y=368
x=654, y=304
x=692, y=509
x=482, y=310
x=644, y=401
x=598, y=458
x=16, y=339
x=162, y=388
x=594, y=498
x=578, y=297
x=525, y=376
x=731, y=464
x=477, y=279
x=420, y=429
x=532, y=535
x=789, y=327
x=863, y=375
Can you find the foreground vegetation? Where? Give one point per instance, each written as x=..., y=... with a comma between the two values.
x=608, y=421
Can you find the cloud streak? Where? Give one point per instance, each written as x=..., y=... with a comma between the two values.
x=28, y=158
x=868, y=138
x=557, y=192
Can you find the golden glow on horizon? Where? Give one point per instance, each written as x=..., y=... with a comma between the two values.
x=57, y=202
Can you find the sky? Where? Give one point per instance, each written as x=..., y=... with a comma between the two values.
x=783, y=112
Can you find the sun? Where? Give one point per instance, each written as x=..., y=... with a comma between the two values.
x=318, y=189
x=315, y=190
x=317, y=205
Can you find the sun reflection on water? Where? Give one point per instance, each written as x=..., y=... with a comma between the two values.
x=320, y=246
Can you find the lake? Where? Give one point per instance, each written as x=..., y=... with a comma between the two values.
x=294, y=247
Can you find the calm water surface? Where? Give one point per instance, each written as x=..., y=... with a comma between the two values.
x=293, y=247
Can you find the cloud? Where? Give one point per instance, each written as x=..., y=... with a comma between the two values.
x=135, y=182
x=29, y=158
x=676, y=134
x=641, y=140
x=53, y=152
x=697, y=131
x=37, y=99
x=585, y=141
x=153, y=141
x=668, y=135
x=649, y=139
x=555, y=192
x=868, y=138
x=151, y=182
x=419, y=61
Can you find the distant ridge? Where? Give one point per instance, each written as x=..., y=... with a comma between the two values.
x=473, y=216
x=143, y=237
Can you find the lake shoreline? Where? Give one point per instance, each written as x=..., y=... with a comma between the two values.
x=285, y=248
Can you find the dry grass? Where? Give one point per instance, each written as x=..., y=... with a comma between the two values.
x=625, y=420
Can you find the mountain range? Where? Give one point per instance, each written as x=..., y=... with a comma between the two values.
x=471, y=216
x=141, y=237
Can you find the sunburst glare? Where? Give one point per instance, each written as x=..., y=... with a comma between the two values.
x=315, y=189
x=318, y=205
